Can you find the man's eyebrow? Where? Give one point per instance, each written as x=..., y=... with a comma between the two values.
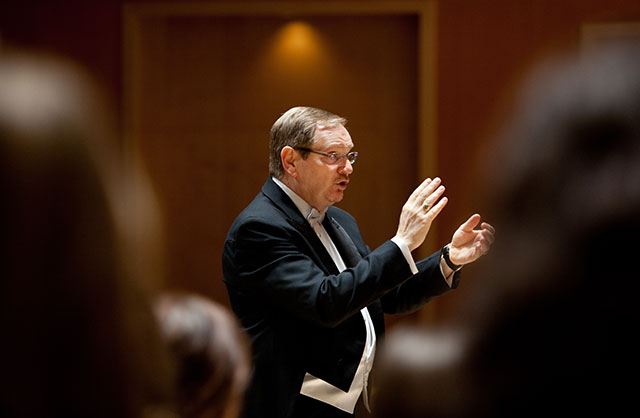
x=339, y=144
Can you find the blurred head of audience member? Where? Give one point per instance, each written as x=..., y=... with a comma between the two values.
x=567, y=194
x=416, y=370
x=552, y=317
x=78, y=242
x=211, y=353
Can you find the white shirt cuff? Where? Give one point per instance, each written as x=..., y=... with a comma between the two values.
x=406, y=253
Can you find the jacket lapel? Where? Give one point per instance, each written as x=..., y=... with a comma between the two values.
x=297, y=221
x=342, y=241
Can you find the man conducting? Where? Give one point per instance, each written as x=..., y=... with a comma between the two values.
x=305, y=286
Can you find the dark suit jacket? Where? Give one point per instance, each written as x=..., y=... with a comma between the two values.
x=303, y=314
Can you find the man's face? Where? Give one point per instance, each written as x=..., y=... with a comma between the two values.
x=321, y=183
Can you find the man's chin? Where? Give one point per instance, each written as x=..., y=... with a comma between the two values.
x=336, y=198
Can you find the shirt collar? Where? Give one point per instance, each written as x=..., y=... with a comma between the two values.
x=305, y=209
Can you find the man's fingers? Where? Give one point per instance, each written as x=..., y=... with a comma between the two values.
x=488, y=227
x=417, y=193
x=485, y=248
x=430, y=200
x=437, y=208
x=489, y=237
x=423, y=191
x=429, y=189
x=471, y=223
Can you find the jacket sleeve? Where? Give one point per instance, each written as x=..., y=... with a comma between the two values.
x=420, y=288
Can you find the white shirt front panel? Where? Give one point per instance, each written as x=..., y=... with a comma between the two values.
x=315, y=387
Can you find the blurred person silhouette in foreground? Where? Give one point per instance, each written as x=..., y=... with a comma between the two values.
x=211, y=353
x=552, y=321
x=78, y=243
x=415, y=375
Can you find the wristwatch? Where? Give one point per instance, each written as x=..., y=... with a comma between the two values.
x=445, y=255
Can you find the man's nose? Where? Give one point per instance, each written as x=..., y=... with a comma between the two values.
x=346, y=168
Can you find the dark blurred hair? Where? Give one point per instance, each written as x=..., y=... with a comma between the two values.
x=211, y=352
x=416, y=373
x=78, y=338
x=556, y=308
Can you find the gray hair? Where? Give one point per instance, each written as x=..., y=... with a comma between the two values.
x=296, y=128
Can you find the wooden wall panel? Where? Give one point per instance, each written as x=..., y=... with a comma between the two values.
x=205, y=90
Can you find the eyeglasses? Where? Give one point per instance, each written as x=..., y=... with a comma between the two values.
x=333, y=157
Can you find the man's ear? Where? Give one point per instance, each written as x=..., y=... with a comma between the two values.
x=289, y=158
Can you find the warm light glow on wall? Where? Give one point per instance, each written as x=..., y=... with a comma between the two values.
x=297, y=50
x=297, y=40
